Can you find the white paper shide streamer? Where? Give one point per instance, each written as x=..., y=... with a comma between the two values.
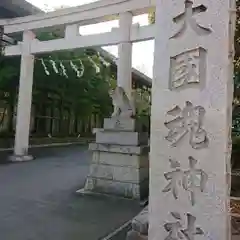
x=104, y=62
x=75, y=68
x=64, y=71
x=78, y=69
x=54, y=65
x=45, y=67
x=95, y=65
x=82, y=69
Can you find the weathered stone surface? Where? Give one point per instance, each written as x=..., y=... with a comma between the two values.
x=24, y=158
x=119, y=159
x=140, y=222
x=95, y=130
x=133, y=235
x=191, y=120
x=125, y=175
x=122, y=138
x=129, y=190
x=119, y=173
x=123, y=189
x=136, y=150
x=139, y=226
x=120, y=124
x=122, y=104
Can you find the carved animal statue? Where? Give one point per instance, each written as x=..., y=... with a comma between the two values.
x=122, y=105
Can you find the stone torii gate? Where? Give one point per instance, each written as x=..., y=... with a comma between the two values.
x=191, y=101
x=71, y=19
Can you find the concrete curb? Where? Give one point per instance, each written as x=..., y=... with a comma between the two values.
x=47, y=145
x=120, y=233
x=135, y=225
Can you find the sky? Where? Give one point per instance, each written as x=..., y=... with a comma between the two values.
x=142, y=51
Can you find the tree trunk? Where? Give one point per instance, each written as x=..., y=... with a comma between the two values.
x=42, y=119
x=51, y=119
x=76, y=123
x=60, y=116
x=11, y=106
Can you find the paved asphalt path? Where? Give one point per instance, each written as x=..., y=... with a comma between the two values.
x=38, y=199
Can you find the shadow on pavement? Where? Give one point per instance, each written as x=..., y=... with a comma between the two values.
x=38, y=199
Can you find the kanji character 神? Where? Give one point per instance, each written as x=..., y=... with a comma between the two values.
x=194, y=179
x=191, y=180
x=175, y=178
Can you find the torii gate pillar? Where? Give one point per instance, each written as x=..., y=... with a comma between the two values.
x=124, y=72
x=24, y=101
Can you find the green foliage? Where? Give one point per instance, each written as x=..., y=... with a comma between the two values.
x=85, y=95
x=236, y=105
x=151, y=17
x=237, y=40
x=9, y=71
x=235, y=152
x=81, y=97
x=142, y=102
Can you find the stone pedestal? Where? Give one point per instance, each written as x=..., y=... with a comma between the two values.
x=120, y=164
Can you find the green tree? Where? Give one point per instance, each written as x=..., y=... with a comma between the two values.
x=85, y=96
x=9, y=73
x=79, y=97
x=69, y=98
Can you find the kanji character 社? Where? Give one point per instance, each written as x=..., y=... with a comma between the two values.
x=176, y=230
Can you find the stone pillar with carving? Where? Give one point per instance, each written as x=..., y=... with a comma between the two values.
x=191, y=120
x=120, y=164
